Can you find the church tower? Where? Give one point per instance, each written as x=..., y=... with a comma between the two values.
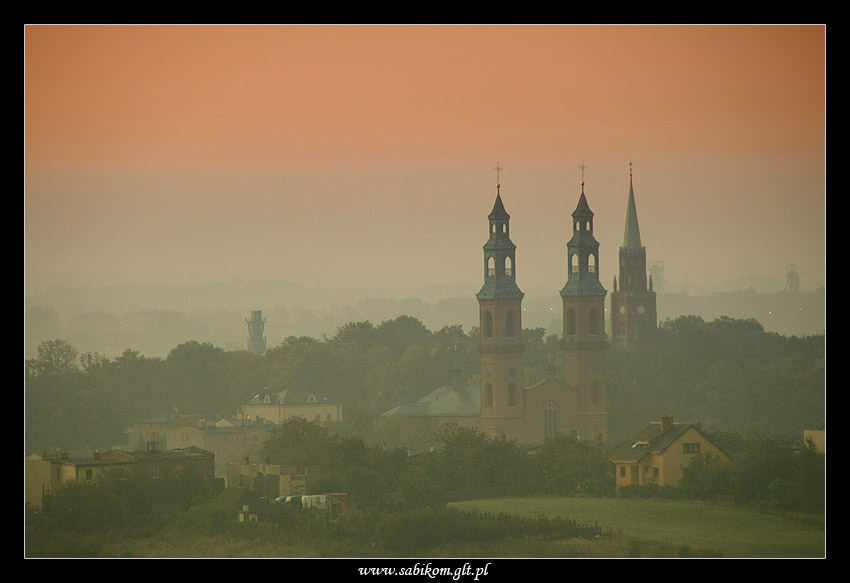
x=633, y=305
x=585, y=342
x=501, y=346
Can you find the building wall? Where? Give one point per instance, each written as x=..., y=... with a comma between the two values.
x=321, y=413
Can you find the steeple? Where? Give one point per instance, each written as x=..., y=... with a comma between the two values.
x=582, y=252
x=499, y=254
x=631, y=239
x=633, y=302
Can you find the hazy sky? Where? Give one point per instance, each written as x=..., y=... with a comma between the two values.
x=338, y=155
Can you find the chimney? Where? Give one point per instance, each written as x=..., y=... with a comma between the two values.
x=666, y=423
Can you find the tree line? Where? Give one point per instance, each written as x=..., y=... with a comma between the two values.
x=728, y=374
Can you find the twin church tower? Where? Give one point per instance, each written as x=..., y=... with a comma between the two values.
x=576, y=403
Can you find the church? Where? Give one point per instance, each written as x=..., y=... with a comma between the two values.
x=577, y=403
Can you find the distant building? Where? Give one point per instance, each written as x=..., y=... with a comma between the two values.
x=231, y=440
x=659, y=452
x=256, y=333
x=154, y=430
x=273, y=480
x=44, y=474
x=280, y=406
x=816, y=438
x=633, y=301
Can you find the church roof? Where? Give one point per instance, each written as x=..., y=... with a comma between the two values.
x=631, y=239
x=499, y=211
x=447, y=401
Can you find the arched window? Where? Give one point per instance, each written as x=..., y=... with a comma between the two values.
x=488, y=324
x=508, y=266
x=594, y=321
x=594, y=392
x=550, y=419
x=509, y=324
x=491, y=267
x=571, y=321
x=512, y=395
x=591, y=263
x=574, y=263
x=488, y=395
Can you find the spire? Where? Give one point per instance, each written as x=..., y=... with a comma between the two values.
x=498, y=211
x=631, y=239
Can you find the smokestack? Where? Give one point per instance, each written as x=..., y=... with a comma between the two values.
x=666, y=423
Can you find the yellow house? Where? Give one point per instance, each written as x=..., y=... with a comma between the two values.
x=659, y=452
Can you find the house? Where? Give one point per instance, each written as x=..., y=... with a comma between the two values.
x=44, y=474
x=273, y=480
x=659, y=452
x=283, y=405
x=231, y=440
x=154, y=430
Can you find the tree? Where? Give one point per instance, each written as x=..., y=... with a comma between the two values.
x=55, y=357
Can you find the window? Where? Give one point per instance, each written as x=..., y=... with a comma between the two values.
x=550, y=419
x=508, y=266
x=491, y=267
x=488, y=395
x=571, y=321
x=574, y=263
x=488, y=325
x=88, y=474
x=509, y=324
x=512, y=395
x=690, y=448
x=622, y=471
x=655, y=473
x=591, y=263
x=594, y=392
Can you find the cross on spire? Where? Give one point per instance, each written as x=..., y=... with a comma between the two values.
x=582, y=166
x=497, y=169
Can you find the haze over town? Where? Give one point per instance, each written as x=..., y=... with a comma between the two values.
x=363, y=156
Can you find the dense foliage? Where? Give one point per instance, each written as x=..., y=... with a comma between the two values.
x=727, y=374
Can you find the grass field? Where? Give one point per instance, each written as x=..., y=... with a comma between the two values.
x=696, y=529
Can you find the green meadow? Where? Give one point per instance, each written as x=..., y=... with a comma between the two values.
x=674, y=528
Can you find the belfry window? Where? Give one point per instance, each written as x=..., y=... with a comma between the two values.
x=591, y=263
x=508, y=266
x=574, y=263
x=491, y=267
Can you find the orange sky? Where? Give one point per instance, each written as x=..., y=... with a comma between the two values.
x=336, y=154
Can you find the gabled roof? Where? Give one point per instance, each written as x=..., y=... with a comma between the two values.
x=650, y=440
